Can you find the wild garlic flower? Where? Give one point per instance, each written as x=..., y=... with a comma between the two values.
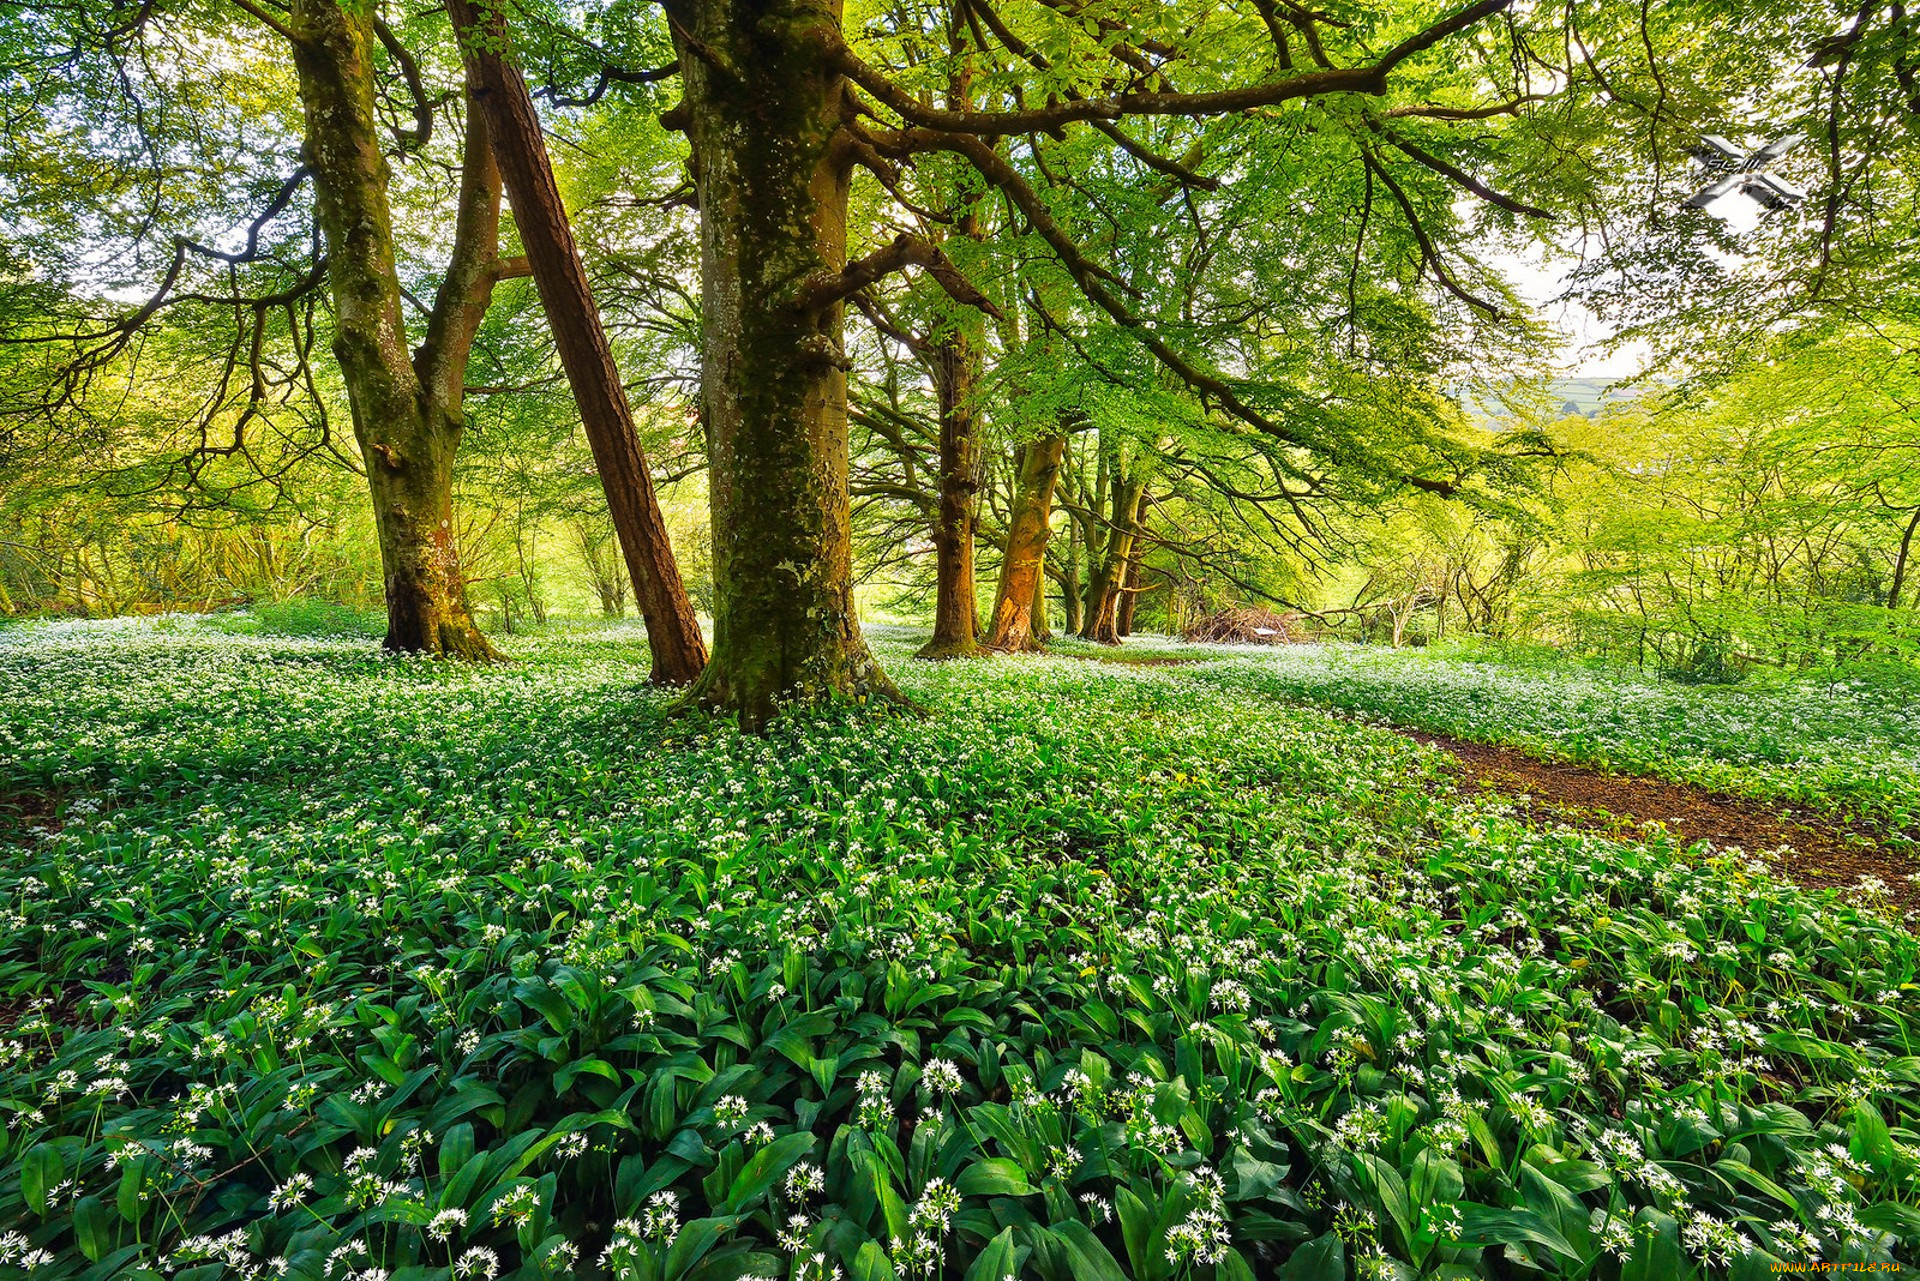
x=941, y=1077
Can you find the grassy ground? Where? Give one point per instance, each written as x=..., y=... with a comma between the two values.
x=324, y=963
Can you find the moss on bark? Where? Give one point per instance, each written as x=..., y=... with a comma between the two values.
x=407, y=426
x=763, y=109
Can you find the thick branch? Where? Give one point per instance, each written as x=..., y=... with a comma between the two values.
x=1463, y=178
x=1370, y=79
x=272, y=23
x=472, y=267
x=1428, y=253
x=827, y=288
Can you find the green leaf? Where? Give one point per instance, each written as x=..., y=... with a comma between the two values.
x=1138, y=1227
x=870, y=1263
x=993, y=1176
x=1871, y=1141
x=763, y=1170
x=567, y=1075
x=1232, y=1268
x=1322, y=1259
x=1392, y=1191
x=1435, y=1180
x=1092, y=1261
x=1485, y=1225
x=92, y=1228
x=997, y=1261
x=692, y=1243
x=40, y=1171
x=1656, y=1254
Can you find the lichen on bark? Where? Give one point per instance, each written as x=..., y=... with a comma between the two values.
x=764, y=111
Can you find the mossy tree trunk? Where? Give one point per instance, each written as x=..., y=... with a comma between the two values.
x=1020, y=602
x=406, y=407
x=1070, y=579
x=763, y=107
x=1040, y=629
x=673, y=633
x=956, y=611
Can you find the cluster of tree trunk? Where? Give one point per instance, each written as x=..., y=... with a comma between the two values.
x=763, y=109
x=770, y=107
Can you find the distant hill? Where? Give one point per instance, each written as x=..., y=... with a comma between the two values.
x=1586, y=396
x=1583, y=396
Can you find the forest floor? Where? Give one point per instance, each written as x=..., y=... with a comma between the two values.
x=318, y=959
x=1816, y=847
x=1812, y=849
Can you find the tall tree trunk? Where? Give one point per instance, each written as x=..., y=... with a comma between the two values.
x=673, y=632
x=956, y=375
x=956, y=610
x=1041, y=630
x=1070, y=600
x=1130, y=588
x=1129, y=597
x=1107, y=571
x=406, y=413
x=763, y=109
x=1019, y=606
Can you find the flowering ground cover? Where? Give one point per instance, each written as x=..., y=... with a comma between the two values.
x=324, y=964
x=1847, y=745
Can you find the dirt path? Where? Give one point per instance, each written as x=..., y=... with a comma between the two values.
x=1819, y=852
x=1816, y=850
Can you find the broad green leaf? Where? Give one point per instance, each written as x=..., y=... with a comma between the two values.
x=763, y=1169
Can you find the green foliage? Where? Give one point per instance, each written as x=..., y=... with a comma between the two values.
x=307, y=616
x=1102, y=972
x=1840, y=741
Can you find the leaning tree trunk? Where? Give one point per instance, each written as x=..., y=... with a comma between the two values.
x=1900, y=561
x=1020, y=602
x=763, y=109
x=408, y=426
x=673, y=633
x=956, y=611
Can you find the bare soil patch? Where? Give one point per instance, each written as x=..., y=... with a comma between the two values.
x=1813, y=850
x=1124, y=660
x=21, y=812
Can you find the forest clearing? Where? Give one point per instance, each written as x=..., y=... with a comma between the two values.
x=959, y=640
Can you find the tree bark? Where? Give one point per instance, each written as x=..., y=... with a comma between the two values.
x=763, y=108
x=673, y=632
x=1070, y=599
x=956, y=375
x=406, y=412
x=1130, y=588
x=1041, y=629
x=956, y=611
x=1129, y=596
x=1107, y=571
x=1019, y=606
